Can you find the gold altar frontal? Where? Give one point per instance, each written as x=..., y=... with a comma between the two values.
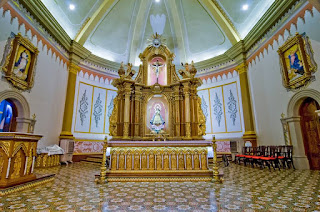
x=158, y=161
x=17, y=162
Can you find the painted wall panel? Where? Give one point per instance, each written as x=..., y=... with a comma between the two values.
x=98, y=110
x=231, y=108
x=84, y=105
x=217, y=110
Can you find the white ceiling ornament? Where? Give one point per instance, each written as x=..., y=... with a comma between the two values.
x=158, y=22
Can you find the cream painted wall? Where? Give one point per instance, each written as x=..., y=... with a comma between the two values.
x=47, y=98
x=269, y=97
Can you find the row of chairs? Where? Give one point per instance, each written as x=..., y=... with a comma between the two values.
x=270, y=156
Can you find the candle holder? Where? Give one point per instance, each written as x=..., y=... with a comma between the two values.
x=216, y=175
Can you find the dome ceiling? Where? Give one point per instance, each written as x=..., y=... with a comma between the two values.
x=119, y=30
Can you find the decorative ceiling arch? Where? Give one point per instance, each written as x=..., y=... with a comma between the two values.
x=92, y=22
x=222, y=19
x=115, y=30
x=138, y=28
x=179, y=30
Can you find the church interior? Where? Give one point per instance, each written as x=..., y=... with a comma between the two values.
x=159, y=105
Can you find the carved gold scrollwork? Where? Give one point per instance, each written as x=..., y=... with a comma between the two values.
x=4, y=145
x=196, y=160
x=204, y=160
x=159, y=161
x=181, y=161
x=2, y=158
x=121, y=160
x=129, y=161
x=151, y=161
x=173, y=161
x=166, y=161
x=136, y=161
x=202, y=120
x=144, y=161
x=189, y=161
x=29, y=162
x=113, y=118
x=114, y=160
x=16, y=173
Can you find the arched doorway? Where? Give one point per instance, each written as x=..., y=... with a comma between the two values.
x=8, y=115
x=310, y=126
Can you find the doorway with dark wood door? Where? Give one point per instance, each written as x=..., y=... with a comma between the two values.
x=310, y=126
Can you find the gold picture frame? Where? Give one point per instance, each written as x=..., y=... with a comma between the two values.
x=297, y=62
x=18, y=65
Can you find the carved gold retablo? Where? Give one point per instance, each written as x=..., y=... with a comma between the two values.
x=157, y=101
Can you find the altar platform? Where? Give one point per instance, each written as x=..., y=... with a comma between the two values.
x=157, y=161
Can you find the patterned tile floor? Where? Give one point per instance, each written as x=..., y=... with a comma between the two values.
x=244, y=189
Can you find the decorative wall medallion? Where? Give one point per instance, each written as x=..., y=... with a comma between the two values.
x=110, y=107
x=217, y=109
x=232, y=108
x=19, y=62
x=83, y=110
x=204, y=107
x=97, y=110
x=297, y=62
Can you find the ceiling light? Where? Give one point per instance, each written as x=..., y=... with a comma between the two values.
x=245, y=7
x=72, y=6
x=157, y=0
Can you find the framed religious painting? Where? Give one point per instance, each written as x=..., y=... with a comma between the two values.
x=297, y=62
x=19, y=62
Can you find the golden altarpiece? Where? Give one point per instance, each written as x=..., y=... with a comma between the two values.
x=157, y=123
x=157, y=87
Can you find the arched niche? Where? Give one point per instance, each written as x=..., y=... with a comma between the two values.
x=153, y=102
x=294, y=122
x=23, y=110
x=297, y=99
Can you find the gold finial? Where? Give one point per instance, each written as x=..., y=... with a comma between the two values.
x=34, y=116
x=283, y=115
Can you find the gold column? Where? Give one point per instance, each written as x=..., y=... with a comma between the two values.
x=177, y=111
x=194, y=131
x=137, y=112
x=249, y=134
x=187, y=110
x=126, y=117
x=68, y=108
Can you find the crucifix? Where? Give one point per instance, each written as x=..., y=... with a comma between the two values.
x=157, y=65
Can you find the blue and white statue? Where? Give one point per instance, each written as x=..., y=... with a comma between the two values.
x=157, y=122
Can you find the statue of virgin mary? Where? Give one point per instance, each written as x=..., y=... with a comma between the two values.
x=157, y=121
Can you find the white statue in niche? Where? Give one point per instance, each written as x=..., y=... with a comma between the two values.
x=157, y=65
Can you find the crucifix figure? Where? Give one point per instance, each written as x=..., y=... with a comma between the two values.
x=157, y=65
